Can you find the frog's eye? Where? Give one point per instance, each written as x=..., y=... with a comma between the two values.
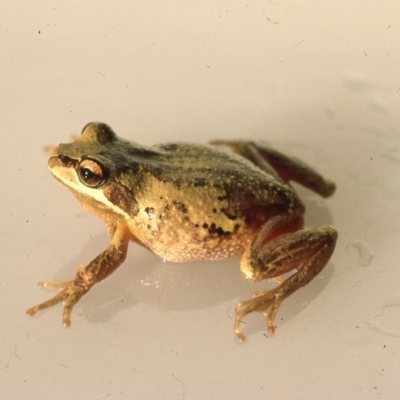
x=91, y=173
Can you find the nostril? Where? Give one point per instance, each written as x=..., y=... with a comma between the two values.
x=66, y=161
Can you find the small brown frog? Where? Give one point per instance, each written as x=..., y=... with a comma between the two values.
x=189, y=202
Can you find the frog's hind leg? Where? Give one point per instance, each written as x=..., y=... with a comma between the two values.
x=306, y=252
x=281, y=166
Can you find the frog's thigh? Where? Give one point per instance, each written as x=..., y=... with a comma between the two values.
x=267, y=257
x=254, y=265
x=287, y=252
x=307, y=250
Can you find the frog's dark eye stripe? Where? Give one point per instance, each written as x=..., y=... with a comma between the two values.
x=91, y=173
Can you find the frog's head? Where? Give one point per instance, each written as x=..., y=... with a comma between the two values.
x=97, y=169
x=83, y=163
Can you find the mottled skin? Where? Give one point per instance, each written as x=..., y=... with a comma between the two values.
x=188, y=202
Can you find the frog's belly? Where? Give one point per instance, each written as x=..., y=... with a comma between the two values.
x=185, y=252
x=183, y=245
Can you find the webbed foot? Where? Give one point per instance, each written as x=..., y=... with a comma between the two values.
x=265, y=301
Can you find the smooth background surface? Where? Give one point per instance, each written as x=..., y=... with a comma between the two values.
x=319, y=79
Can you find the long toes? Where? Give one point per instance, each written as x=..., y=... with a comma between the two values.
x=266, y=302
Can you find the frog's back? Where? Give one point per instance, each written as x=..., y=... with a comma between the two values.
x=206, y=165
x=191, y=165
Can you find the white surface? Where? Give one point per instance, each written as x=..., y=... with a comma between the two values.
x=317, y=78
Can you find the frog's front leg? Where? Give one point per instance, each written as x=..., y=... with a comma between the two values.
x=98, y=269
x=306, y=251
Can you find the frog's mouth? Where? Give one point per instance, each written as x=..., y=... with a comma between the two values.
x=64, y=170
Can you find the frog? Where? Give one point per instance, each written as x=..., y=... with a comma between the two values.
x=187, y=202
